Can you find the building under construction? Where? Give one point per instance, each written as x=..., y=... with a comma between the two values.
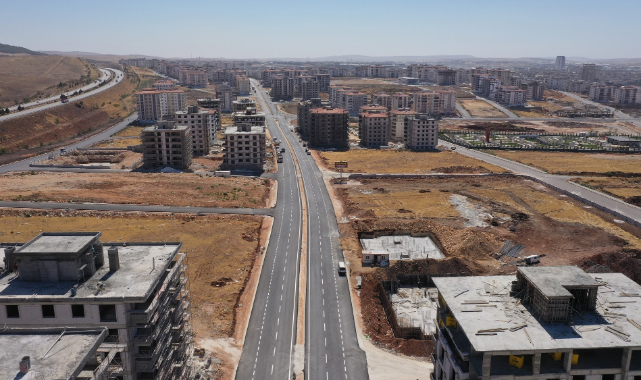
x=543, y=323
x=137, y=291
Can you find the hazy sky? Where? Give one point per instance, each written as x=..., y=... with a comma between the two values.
x=309, y=29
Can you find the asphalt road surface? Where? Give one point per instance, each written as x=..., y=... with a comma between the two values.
x=271, y=333
x=331, y=345
x=117, y=73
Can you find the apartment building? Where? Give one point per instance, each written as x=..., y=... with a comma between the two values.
x=589, y=72
x=282, y=87
x=559, y=64
x=334, y=91
x=328, y=128
x=304, y=114
x=166, y=144
x=438, y=102
x=625, y=94
x=446, y=77
x=541, y=323
x=323, y=81
x=601, y=93
x=242, y=104
x=351, y=100
x=422, y=132
x=154, y=104
x=308, y=89
x=384, y=100
x=192, y=78
x=534, y=90
x=212, y=104
x=374, y=128
x=227, y=95
x=203, y=124
x=164, y=85
x=485, y=85
x=243, y=84
x=250, y=117
x=267, y=75
x=136, y=291
x=511, y=96
x=399, y=120
x=501, y=74
x=244, y=147
x=401, y=101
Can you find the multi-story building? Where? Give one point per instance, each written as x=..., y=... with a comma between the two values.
x=192, y=78
x=422, y=132
x=329, y=127
x=446, y=77
x=212, y=104
x=136, y=291
x=589, y=72
x=164, y=84
x=384, y=100
x=350, y=100
x=435, y=102
x=502, y=74
x=625, y=94
x=267, y=75
x=334, y=90
x=243, y=84
x=542, y=323
x=534, y=90
x=304, y=114
x=202, y=124
x=399, y=120
x=323, y=81
x=601, y=93
x=166, y=144
x=244, y=147
x=559, y=64
x=282, y=87
x=511, y=96
x=242, y=104
x=154, y=104
x=580, y=86
x=227, y=95
x=374, y=128
x=401, y=101
x=250, y=117
x=308, y=89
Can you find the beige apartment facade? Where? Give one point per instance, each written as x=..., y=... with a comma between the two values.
x=154, y=104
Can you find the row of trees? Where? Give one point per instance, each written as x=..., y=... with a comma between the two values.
x=4, y=111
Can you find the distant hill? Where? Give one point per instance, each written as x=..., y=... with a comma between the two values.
x=9, y=49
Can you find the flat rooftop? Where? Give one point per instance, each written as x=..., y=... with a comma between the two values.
x=66, y=358
x=552, y=281
x=400, y=247
x=234, y=130
x=51, y=242
x=483, y=302
x=141, y=267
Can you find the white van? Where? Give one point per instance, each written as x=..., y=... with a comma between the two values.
x=341, y=269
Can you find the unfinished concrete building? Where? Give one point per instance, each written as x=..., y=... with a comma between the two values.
x=137, y=291
x=304, y=114
x=166, y=144
x=329, y=128
x=543, y=323
x=245, y=147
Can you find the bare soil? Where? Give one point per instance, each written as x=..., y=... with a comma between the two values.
x=626, y=189
x=480, y=108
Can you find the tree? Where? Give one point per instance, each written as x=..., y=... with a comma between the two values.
x=20, y=108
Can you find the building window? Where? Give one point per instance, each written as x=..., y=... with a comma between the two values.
x=108, y=313
x=78, y=311
x=48, y=311
x=13, y=311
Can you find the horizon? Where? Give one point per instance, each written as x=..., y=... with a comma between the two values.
x=496, y=29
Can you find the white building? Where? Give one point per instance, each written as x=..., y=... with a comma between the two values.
x=202, y=124
x=154, y=104
x=511, y=96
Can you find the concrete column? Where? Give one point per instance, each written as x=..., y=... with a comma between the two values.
x=536, y=365
x=487, y=363
x=625, y=362
x=567, y=361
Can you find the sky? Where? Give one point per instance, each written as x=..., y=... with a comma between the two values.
x=312, y=29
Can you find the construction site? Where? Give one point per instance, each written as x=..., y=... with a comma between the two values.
x=482, y=225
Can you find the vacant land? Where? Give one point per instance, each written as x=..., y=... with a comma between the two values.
x=592, y=164
x=538, y=109
x=291, y=108
x=131, y=131
x=558, y=96
x=136, y=188
x=30, y=77
x=391, y=161
x=118, y=143
x=545, y=222
x=626, y=189
x=376, y=86
x=220, y=250
x=554, y=127
x=480, y=108
x=23, y=137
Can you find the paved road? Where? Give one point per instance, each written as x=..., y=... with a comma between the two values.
x=271, y=333
x=141, y=208
x=463, y=111
x=617, y=114
x=560, y=182
x=119, y=77
x=332, y=350
x=510, y=114
x=24, y=164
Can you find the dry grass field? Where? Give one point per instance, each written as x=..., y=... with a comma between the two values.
x=136, y=188
x=219, y=248
x=558, y=96
x=576, y=163
x=626, y=189
x=480, y=108
x=291, y=108
x=38, y=76
x=391, y=161
x=375, y=86
x=132, y=131
x=118, y=143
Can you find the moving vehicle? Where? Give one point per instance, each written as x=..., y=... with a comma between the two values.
x=341, y=269
x=282, y=150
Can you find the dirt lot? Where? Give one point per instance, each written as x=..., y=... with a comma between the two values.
x=626, y=189
x=132, y=131
x=480, y=108
x=118, y=143
x=541, y=126
x=291, y=108
x=592, y=164
x=568, y=232
x=117, y=159
x=391, y=161
x=27, y=136
x=38, y=77
x=136, y=188
x=375, y=86
x=221, y=252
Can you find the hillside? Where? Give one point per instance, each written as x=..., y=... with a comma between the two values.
x=28, y=77
x=9, y=49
